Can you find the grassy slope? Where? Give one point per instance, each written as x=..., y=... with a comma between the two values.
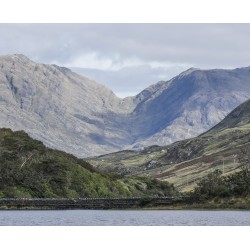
x=29, y=169
x=186, y=162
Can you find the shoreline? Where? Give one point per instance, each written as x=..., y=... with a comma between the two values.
x=135, y=203
x=160, y=208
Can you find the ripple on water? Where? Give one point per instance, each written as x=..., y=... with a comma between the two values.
x=124, y=218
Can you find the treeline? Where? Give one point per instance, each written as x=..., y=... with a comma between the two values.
x=217, y=186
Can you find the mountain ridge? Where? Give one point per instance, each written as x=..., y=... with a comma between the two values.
x=69, y=112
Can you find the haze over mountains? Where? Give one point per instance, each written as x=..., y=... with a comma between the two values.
x=80, y=116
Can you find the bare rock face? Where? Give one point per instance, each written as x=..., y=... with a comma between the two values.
x=64, y=110
x=191, y=103
x=77, y=115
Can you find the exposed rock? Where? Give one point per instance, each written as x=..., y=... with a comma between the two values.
x=80, y=116
x=64, y=110
x=189, y=104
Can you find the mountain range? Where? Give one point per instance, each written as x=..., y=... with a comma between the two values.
x=72, y=113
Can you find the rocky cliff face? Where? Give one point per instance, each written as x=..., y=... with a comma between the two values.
x=190, y=103
x=72, y=113
x=64, y=110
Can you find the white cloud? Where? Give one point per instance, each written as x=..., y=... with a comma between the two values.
x=91, y=61
x=101, y=62
x=116, y=63
x=123, y=94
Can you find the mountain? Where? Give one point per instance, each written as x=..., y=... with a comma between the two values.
x=69, y=112
x=185, y=163
x=28, y=169
x=189, y=104
x=55, y=105
x=239, y=118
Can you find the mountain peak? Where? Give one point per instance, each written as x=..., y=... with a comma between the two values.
x=189, y=71
x=72, y=113
x=20, y=56
x=16, y=57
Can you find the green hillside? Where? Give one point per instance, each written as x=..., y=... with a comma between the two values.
x=238, y=118
x=29, y=169
x=186, y=162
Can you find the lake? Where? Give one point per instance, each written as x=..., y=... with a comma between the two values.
x=124, y=218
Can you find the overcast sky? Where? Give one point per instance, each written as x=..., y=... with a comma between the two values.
x=129, y=57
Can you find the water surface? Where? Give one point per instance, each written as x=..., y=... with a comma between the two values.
x=124, y=218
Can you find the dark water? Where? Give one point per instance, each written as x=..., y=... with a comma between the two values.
x=124, y=218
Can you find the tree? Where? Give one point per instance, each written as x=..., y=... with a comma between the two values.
x=244, y=159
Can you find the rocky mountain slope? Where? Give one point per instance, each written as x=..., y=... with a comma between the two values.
x=186, y=162
x=189, y=104
x=72, y=113
x=64, y=110
x=28, y=169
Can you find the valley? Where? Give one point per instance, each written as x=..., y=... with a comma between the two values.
x=162, y=141
x=186, y=162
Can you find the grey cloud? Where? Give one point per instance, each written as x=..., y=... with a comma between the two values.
x=197, y=45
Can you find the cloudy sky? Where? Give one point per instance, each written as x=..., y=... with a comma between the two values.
x=129, y=57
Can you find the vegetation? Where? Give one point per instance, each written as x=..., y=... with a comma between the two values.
x=185, y=163
x=215, y=186
x=218, y=191
x=28, y=169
